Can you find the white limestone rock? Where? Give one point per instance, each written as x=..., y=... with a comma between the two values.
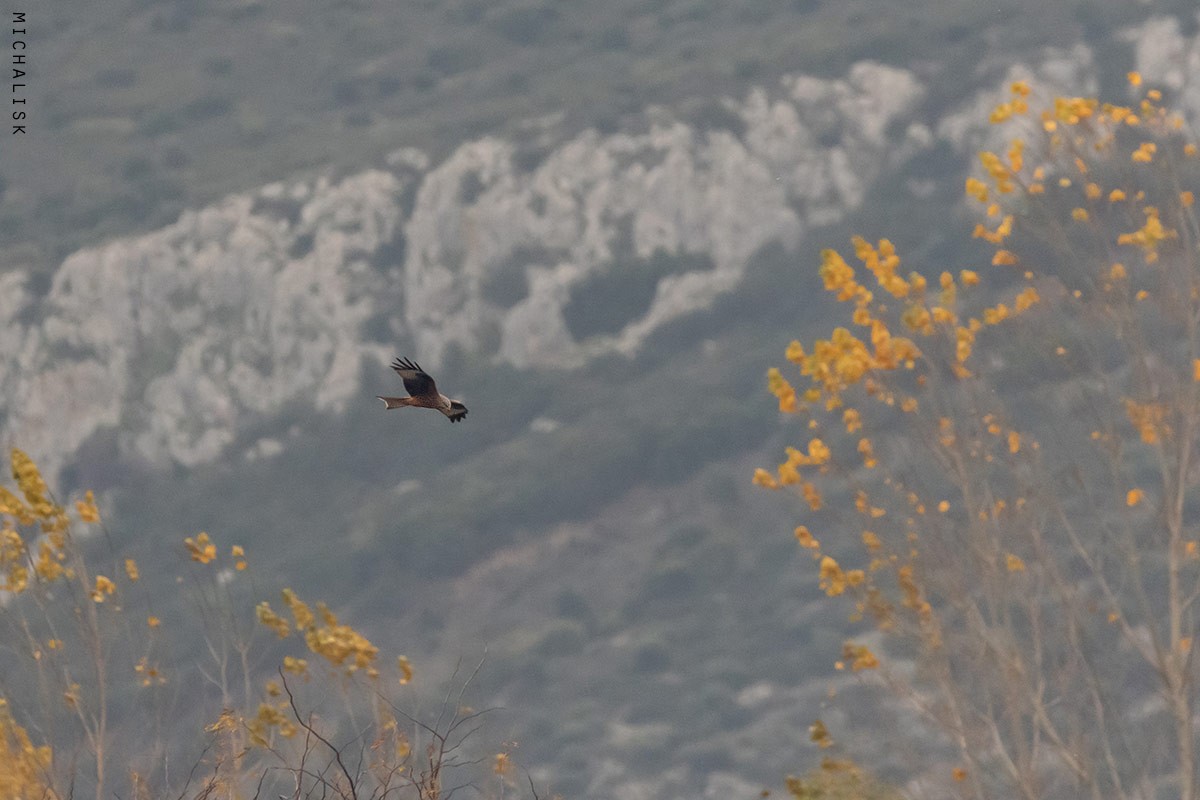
x=182, y=336
x=179, y=334
x=669, y=189
x=1167, y=58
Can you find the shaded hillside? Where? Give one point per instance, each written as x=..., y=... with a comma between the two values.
x=143, y=109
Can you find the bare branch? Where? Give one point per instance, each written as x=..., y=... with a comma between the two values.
x=337, y=755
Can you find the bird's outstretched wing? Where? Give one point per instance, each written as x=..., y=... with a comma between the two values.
x=416, y=380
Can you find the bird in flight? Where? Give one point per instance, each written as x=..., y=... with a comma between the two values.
x=423, y=392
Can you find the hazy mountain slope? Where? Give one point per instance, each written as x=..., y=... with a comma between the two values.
x=144, y=108
x=592, y=522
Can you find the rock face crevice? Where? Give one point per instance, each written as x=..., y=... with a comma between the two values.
x=180, y=337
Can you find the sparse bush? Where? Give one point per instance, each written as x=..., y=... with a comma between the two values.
x=667, y=583
x=614, y=37
x=651, y=657
x=561, y=638
x=528, y=25
x=838, y=779
x=574, y=606
x=451, y=59
x=102, y=693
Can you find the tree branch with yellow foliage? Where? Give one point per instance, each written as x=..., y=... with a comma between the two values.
x=1019, y=438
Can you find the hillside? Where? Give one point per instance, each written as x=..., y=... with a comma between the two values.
x=603, y=288
x=146, y=108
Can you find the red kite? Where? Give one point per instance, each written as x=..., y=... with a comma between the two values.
x=424, y=392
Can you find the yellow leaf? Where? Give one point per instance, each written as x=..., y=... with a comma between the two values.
x=201, y=548
x=859, y=656
x=104, y=587
x=406, y=670
x=871, y=541
x=296, y=666
x=765, y=479
x=832, y=579
x=818, y=733
x=806, y=539
x=88, y=512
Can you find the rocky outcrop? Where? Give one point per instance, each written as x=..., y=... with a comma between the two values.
x=1168, y=58
x=178, y=337
x=805, y=157
x=233, y=310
